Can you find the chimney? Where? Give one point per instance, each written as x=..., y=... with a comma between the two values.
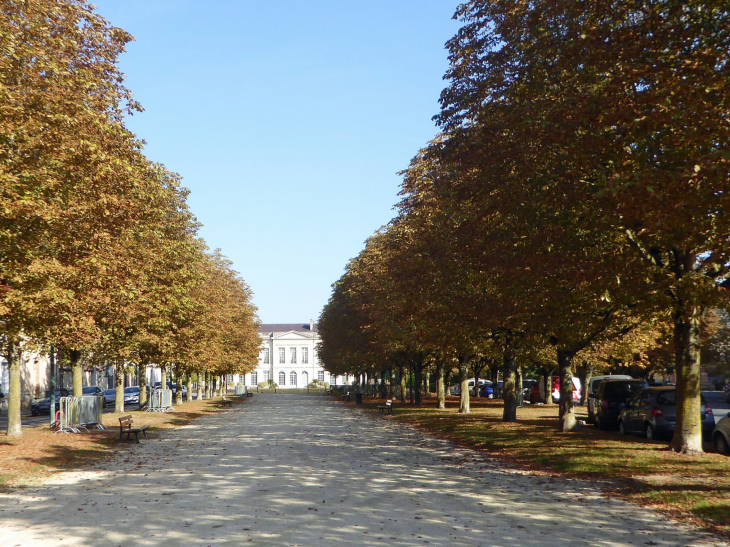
x=311, y=325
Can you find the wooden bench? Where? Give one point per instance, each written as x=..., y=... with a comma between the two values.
x=346, y=396
x=125, y=426
x=227, y=402
x=387, y=408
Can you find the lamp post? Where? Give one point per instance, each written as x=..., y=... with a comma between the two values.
x=52, y=408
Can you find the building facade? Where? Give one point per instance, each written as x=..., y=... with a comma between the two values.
x=289, y=357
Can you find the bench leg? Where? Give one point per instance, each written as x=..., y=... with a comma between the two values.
x=144, y=432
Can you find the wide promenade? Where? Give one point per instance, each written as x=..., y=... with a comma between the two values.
x=302, y=470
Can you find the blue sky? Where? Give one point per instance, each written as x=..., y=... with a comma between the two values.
x=288, y=122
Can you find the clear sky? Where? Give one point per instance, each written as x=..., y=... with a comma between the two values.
x=288, y=121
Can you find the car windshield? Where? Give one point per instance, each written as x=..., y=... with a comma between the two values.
x=131, y=390
x=88, y=390
x=670, y=398
x=58, y=394
x=622, y=390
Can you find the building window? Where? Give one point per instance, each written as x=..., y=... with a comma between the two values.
x=320, y=376
x=266, y=376
x=254, y=378
x=266, y=356
x=333, y=380
x=282, y=379
x=293, y=379
x=305, y=355
x=293, y=355
x=282, y=356
x=305, y=378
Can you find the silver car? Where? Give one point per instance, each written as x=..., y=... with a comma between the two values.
x=721, y=436
x=653, y=413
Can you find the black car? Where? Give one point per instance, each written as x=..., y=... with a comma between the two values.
x=43, y=405
x=611, y=397
x=110, y=396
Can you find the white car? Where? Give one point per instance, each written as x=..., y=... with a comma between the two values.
x=721, y=436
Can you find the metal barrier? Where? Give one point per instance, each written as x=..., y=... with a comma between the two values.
x=160, y=400
x=80, y=413
x=240, y=389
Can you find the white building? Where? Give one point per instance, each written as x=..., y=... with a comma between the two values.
x=289, y=357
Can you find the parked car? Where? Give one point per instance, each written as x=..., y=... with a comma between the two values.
x=454, y=390
x=95, y=391
x=486, y=390
x=611, y=397
x=721, y=436
x=556, y=389
x=110, y=396
x=131, y=395
x=652, y=412
x=43, y=405
x=527, y=386
x=535, y=395
x=593, y=402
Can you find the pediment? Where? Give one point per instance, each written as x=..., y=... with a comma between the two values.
x=292, y=335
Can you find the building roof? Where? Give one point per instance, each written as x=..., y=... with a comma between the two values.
x=286, y=327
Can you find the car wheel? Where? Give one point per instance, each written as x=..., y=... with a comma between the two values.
x=721, y=444
x=621, y=428
x=649, y=432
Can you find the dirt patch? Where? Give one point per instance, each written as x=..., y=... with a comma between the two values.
x=40, y=452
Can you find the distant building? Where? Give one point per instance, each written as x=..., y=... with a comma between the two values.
x=289, y=357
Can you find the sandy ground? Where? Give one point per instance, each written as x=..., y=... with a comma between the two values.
x=290, y=470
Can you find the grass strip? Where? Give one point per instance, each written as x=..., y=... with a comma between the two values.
x=41, y=452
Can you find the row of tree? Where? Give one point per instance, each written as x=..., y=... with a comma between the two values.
x=99, y=253
x=577, y=194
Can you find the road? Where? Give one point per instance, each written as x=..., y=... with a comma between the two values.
x=303, y=470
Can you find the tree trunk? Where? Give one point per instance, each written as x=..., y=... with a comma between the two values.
x=77, y=371
x=440, y=386
x=201, y=385
x=189, y=379
x=566, y=413
x=402, y=375
x=477, y=374
x=142, y=369
x=119, y=387
x=178, y=387
x=15, y=426
x=509, y=389
x=464, y=386
x=687, y=438
x=383, y=392
x=518, y=385
x=586, y=373
x=206, y=375
x=418, y=381
x=548, y=386
x=163, y=378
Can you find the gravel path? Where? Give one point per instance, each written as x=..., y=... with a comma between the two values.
x=290, y=470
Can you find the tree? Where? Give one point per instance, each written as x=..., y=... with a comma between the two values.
x=618, y=107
